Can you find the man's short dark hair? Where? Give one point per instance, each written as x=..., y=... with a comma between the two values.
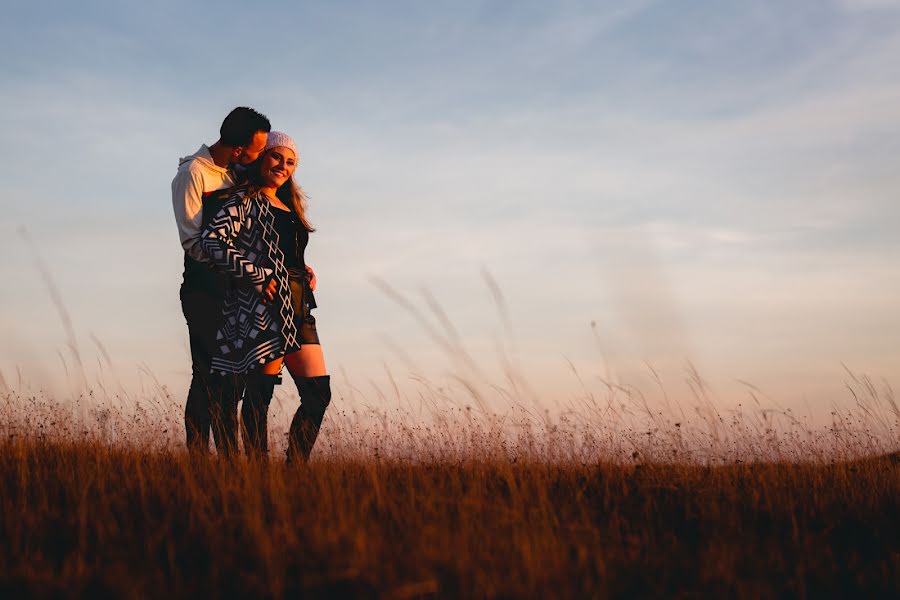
x=241, y=125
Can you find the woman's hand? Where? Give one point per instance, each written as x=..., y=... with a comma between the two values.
x=268, y=291
x=312, y=278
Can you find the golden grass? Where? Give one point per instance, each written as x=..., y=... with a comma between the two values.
x=461, y=503
x=79, y=518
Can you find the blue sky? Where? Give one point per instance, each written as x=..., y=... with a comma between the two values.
x=704, y=181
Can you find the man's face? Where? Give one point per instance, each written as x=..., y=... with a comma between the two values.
x=250, y=152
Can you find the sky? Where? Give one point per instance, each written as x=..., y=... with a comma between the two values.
x=575, y=190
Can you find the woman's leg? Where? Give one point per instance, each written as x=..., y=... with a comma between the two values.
x=308, y=361
x=255, y=409
x=273, y=367
x=307, y=367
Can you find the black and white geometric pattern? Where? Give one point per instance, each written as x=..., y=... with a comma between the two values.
x=241, y=241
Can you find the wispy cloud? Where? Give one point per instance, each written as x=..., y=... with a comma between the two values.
x=637, y=166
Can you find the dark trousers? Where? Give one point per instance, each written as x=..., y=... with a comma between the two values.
x=212, y=399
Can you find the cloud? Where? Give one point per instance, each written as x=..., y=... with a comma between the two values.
x=694, y=180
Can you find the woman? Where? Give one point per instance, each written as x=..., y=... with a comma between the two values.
x=258, y=238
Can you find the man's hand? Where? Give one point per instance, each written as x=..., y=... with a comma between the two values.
x=312, y=278
x=268, y=292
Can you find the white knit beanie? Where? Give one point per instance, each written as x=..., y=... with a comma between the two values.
x=279, y=138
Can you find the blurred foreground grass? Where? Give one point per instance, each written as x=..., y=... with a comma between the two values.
x=82, y=518
x=613, y=495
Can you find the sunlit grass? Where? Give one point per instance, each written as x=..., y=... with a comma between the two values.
x=450, y=499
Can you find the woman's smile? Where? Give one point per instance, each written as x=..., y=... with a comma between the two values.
x=278, y=166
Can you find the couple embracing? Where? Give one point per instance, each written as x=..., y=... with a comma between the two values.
x=247, y=293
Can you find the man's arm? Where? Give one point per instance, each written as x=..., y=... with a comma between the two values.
x=187, y=201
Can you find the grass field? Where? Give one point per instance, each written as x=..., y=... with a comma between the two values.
x=460, y=507
x=82, y=520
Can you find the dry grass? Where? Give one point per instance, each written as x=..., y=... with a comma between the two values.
x=457, y=502
x=614, y=493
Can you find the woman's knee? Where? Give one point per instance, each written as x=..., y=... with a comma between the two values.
x=306, y=362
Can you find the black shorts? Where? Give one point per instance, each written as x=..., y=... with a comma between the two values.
x=303, y=302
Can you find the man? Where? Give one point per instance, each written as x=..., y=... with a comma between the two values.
x=212, y=399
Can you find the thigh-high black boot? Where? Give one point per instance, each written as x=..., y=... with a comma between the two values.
x=315, y=394
x=224, y=397
x=255, y=413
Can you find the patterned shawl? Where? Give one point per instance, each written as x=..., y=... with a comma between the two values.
x=242, y=242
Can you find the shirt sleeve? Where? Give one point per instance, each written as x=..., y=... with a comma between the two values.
x=218, y=245
x=187, y=201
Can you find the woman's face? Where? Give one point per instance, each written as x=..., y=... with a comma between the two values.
x=277, y=166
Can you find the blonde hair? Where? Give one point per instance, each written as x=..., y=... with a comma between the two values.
x=294, y=197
